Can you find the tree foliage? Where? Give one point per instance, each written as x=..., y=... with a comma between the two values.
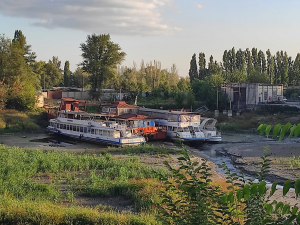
x=100, y=59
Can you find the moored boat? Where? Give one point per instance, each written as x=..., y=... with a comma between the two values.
x=82, y=126
x=207, y=126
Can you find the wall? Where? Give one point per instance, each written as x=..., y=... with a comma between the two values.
x=76, y=95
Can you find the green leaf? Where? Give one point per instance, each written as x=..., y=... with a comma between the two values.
x=297, y=131
x=286, y=187
x=276, y=129
x=292, y=129
x=269, y=208
x=267, y=131
x=294, y=210
x=286, y=208
x=279, y=205
x=273, y=188
x=262, y=128
x=224, y=198
x=239, y=195
x=230, y=197
x=297, y=188
x=284, y=129
x=246, y=191
x=262, y=187
x=254, y=188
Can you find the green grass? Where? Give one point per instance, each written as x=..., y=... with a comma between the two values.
x=26, y=198
x=147, y=148
x=12, y=121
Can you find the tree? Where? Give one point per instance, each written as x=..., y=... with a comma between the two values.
x=183, y=85
x=202, y=66
x=67, y=74
x=81, y=78
x=18, y=82
x=193, y=72
x=270, y=66
x=20, y=39
x=100, y=59
x=52, y=77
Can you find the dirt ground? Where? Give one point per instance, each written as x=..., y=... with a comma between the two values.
x=244, y=151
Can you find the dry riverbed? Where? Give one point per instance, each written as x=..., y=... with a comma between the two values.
x=244, y=151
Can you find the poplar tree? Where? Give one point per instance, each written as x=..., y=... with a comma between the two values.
x=193, y=72
x=296, y=69
x=202, y=66
x=67, y=74
x=270, y=66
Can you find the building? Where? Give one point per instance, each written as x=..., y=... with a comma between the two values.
x=119, y=108
x=247, y=96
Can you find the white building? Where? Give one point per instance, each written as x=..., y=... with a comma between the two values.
x=246, y=95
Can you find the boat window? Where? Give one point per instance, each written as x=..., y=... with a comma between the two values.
x=96, y=131
x=174, y=128
x=74, y=128
x=68, y=127
x=81, y=129
x=85, y=129
x=105, y=133
x=92, y=131
x=77, y=128
x=186, y=129
x=64, y=126
x=169, y=128
x=180, y=129
x=88, y=130
x=71, y=127
x=61, y=126
x=196, y=129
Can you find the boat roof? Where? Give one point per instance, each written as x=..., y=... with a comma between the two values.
x=129, y=116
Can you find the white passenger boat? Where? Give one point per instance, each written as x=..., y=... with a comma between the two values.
x=180, y=125
x=90, y=130
x=184, y=131
x=187, y=126
x=207, y=126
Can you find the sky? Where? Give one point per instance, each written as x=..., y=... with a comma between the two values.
x=169, y=31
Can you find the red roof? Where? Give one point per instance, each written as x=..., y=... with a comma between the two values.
x=121, y=104
x=129, y=116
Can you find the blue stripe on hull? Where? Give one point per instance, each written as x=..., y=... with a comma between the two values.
x=97, y=140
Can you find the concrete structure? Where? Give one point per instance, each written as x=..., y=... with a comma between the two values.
x=247, y=96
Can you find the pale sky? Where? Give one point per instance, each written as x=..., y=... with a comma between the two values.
x=169, y=31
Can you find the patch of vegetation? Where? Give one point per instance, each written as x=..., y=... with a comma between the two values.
x=147, y=148
x=12, y=121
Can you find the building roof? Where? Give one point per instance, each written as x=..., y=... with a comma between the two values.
x=72, y=100
x=121, y=104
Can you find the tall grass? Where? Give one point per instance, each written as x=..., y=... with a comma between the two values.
x=147, y=148
x=23, y=212
x=12, y=121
